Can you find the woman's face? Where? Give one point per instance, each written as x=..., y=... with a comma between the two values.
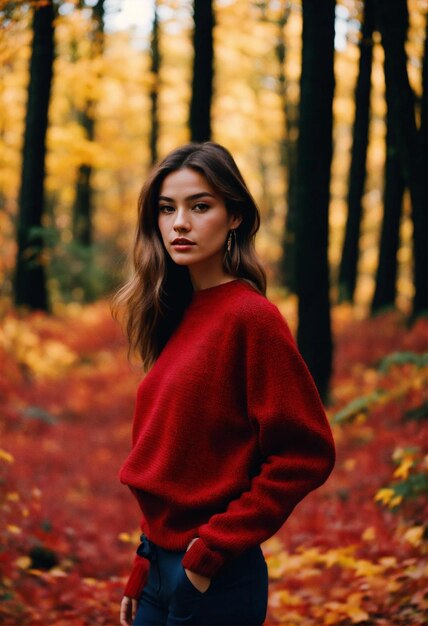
x=193, y=220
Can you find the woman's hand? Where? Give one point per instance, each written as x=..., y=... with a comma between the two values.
x=128, y=609
x=200, y=582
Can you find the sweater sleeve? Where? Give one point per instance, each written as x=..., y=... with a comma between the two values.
x=139, y=573
x=294, y=439
x=137, y=578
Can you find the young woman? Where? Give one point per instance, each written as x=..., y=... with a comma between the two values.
x=229, y=432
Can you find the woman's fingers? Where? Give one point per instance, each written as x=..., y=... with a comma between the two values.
x=134, y=608
x=127, y=611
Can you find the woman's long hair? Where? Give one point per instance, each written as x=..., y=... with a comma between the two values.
x=154, y=299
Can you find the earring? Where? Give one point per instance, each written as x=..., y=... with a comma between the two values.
x=229, y=241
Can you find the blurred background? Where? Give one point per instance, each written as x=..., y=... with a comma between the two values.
x=323, y=104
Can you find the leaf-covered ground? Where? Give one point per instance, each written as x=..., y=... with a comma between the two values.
x=352, y=553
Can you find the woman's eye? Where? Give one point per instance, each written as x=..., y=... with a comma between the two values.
x=201, y=206
x=165, y=208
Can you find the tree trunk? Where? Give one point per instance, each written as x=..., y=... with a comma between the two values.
x=29, y=280
x=420, y=230
x=83, y=203
x=313, y=180
x=386, y=275
x=154, y=127
x=289, y=161
x=203, y=71
x=392, y=20
x=349, y=261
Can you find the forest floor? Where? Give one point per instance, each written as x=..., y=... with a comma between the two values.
x=353, y=552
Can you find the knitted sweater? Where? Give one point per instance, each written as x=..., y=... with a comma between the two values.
x=229, y=432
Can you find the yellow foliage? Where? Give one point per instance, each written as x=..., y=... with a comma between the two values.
x=351, y=609
x=286, y=598
x=403, y=470
x=369, y=534
x=23, y=562
x=367, y=568
x=57, y=572
x=386, y=496
x=6, y=456
x=15, y=530
x=132, y=538
x=44, y=358
x=12, y=496
x=414, y=535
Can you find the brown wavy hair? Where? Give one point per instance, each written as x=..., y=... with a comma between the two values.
x=152, y=302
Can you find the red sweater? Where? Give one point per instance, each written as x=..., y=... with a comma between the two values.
x=229, y=432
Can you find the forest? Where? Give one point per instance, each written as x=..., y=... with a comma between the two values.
x=324, y=106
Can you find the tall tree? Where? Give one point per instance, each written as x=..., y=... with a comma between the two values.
x=386, y=274
x=392, y=20
x=83, y=203
x=154, y=91
x=420, y=230
x=203, y=71
x=288, y=158
x=29, y=279
x=357, y=176
x=313, y=180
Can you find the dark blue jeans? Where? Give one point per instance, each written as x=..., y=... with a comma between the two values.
x=237, y=595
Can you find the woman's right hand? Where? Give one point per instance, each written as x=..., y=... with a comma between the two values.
x=128, y=609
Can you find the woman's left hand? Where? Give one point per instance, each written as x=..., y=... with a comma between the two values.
x=201, y=583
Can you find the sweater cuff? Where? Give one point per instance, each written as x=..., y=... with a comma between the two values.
x=137, y=578
x=201, y=560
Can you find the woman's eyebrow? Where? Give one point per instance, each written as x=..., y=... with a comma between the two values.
x=195, y=196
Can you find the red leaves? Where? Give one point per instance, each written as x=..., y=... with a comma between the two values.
x=66, y=408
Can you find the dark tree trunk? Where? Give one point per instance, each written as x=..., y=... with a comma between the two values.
x=313, y=180
x=392, y=20
x=420, y=230
x=203, y=71
x=386, y=275
x=154, y=127
x=83, y=203
x=29, y=280
x=349, y=261
x=289, y=161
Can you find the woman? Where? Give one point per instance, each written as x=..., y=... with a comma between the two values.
x=229, y=432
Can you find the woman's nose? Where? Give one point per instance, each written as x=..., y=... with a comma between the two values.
x=181, y=221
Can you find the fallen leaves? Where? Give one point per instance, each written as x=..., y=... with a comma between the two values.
x=69, y=529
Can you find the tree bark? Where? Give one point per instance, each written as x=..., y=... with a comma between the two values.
x=392, y=20
x=420, y=227
x=29, y=282
x=83, y=203
x=289, y=161
x=357, y=177
x=386, y=275
x=203, y=71
x=154, y=91
x=313, y=180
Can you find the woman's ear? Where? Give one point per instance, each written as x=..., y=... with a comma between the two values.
x=236, y=220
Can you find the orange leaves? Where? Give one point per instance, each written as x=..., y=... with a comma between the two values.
x=6, y=456
x=352, y=609
x=70, y=530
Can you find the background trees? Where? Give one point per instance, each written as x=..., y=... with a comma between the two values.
x=203, y=69
x=313, y=181
x=338, y=178
x=343, y=231
x=29, y=279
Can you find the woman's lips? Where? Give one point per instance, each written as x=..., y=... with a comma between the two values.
x=182, y=246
